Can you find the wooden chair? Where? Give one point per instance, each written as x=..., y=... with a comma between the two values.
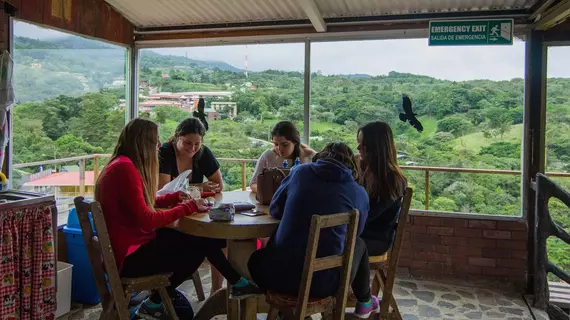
x=198, y=286
x=386, y=265
x=302, y=305
x=114, y=291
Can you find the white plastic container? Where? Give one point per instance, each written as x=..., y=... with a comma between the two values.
x=63, y=288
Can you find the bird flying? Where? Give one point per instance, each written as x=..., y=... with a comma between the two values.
x=200, y=114
x=409, y=114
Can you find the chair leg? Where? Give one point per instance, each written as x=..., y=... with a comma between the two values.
x=289, y=314
x=167, y=302
x=198, y=286
x=376, y=283
x=329, y=314
x=395, y=313
x=273, y=313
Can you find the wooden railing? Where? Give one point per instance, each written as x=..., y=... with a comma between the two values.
x=546, y=227
x=426, y=169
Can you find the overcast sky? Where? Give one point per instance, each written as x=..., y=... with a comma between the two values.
x=368, y=57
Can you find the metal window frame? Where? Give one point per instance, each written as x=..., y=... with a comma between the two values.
x=132, y=87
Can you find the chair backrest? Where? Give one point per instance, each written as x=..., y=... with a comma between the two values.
x=344, y=260
x=98, y=246
x=394, y=252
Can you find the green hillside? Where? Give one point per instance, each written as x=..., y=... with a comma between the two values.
x=80, y=65
x=475, y=141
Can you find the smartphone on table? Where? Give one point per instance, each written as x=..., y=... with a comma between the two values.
x=252, y=213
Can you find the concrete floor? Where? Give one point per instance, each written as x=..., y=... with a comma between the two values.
x=417, y=299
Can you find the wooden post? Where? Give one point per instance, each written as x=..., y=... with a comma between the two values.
x=243, y=176
x=95, y=168
x=534, y=122
x=427, y=190
x=82, y=177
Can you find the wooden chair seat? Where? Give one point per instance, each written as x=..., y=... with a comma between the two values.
x=290, y=301
x=384, y=269
x=378, y=259
x=144, y=283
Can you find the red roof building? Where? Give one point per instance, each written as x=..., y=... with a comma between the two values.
x=62, y=179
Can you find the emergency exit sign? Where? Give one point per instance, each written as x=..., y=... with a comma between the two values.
x=471, y=32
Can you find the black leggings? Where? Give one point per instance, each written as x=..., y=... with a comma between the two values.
x=377, y=247
x=360, y=272
x=270, y=271
x=177, y=253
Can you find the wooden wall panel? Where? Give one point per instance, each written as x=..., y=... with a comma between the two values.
x=91, y=18
x=32, y=10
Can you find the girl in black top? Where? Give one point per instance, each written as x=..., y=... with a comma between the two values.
x=384, y=182
x=185, y=151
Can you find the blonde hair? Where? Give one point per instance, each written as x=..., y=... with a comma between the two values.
x=138, y=141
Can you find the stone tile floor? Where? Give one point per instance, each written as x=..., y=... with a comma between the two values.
x=417, y=299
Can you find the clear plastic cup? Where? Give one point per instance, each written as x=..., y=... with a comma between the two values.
x=195, y=192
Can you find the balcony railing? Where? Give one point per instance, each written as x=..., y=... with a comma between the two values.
x=244, y=182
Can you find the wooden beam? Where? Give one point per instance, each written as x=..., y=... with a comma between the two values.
x=276, y=32
x=554, y=16
x=534, y=121
x=314, y=14
x=538, y=12
x=558, y=35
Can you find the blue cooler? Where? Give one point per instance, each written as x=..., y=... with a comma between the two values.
x=84, y=289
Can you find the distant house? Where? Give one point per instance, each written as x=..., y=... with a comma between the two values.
x=62, y=184
x=225, y=106
x=212, y=114
x=165, y=76
x=149, y=105
x=36, y=65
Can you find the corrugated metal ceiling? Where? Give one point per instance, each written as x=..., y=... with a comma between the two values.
x=161, y=13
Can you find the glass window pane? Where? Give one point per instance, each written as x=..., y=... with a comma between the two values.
x=69, y=92
x=469, y=101
x=246, y=89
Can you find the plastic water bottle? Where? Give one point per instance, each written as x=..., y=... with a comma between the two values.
x=297, y=162
x=285, y=164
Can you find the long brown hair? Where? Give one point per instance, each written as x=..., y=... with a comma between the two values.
x=381, y=175
x=340, y=152
x=138, y=141
x=288, y=130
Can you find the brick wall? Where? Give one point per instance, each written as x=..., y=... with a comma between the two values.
x=436, y=247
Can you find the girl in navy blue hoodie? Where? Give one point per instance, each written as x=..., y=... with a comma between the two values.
x=326, y=186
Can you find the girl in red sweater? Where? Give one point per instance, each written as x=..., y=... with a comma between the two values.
x=126, y=191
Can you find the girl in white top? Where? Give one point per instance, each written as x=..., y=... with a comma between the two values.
x=286, y=146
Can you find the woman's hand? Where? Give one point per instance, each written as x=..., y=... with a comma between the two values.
x=183, y=196
x=211, y=186
x=203, y=205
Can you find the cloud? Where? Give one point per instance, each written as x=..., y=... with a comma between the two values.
x=374, y=57
x=378, y=57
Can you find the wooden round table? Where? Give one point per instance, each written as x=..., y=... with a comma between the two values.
x=241, y=234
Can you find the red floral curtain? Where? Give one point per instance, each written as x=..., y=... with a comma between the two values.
x=28, y=288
